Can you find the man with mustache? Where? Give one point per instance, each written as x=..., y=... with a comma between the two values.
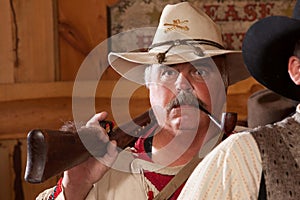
x=187, y=72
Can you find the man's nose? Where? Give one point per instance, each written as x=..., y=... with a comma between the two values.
x=182, y=83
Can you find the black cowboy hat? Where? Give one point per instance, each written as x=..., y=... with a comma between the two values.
x=267, y=46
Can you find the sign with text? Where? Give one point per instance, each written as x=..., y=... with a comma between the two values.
x=234, y=17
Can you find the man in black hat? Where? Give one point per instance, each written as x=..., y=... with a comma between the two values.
x=263, y=163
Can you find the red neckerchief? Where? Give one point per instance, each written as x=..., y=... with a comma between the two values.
x=158, y=180
x=57, y=190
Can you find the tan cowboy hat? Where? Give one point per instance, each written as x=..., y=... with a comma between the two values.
x=184, y=34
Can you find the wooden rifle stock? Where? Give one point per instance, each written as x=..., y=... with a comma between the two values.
x=50, y=152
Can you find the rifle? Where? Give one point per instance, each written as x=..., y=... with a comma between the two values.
x=50, y=152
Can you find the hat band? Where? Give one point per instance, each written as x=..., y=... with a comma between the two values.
x=190, y=42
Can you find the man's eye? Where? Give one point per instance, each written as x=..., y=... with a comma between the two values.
x=200, y=73
x=169, y=75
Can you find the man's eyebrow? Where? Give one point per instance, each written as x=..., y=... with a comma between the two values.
x=166, y=66
x=206, y=63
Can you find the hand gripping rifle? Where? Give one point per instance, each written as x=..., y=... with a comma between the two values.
x=50, y=152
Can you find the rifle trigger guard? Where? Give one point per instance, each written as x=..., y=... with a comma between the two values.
x=107, y=125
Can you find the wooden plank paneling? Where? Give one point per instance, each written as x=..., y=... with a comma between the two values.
x=52, y=113
x=82, y=26
x=48, y=105
x=6, y=43
x=36, y=41
x=6, y=170
x=8, y=174
x=27, y=91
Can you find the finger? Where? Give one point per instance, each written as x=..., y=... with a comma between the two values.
x=109, y=158
x=102, y=135
x=94, y=121
x=112, y=148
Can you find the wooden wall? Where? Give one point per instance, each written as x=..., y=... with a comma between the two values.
x=42, y=46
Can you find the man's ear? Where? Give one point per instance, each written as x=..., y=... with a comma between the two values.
x=294, y=69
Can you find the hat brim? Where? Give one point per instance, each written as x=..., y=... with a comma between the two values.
x=267, y=46
x=131, y=65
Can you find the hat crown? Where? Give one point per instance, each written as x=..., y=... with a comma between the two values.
x=182, y=21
